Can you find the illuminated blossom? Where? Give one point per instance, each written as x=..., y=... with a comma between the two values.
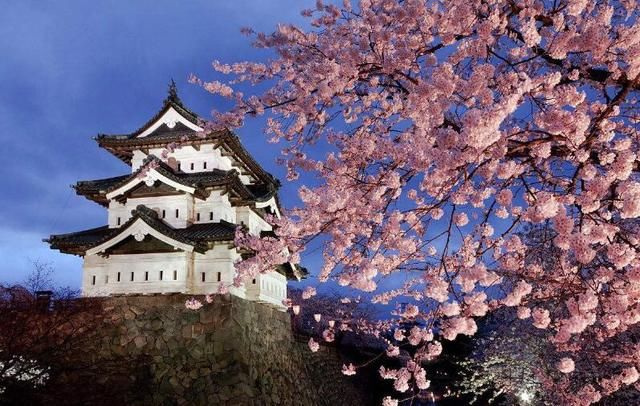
x=566, y=365
x=540, y=317
x=388, y=401
x=393, y=351
x=313, y=345
x=467, y=157
x=308, y=292
x=349, y=369
x=193, y=304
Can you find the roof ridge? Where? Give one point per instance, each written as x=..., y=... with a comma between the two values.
x=89, y=230
x=172, y=100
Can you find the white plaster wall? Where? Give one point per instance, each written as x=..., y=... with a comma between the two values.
x=268, y=288
x=217, y=204
x=217, y=261
x=106, y=271
x=188, y=155
x=184, y=203
x=253, y=221
x=137, y=159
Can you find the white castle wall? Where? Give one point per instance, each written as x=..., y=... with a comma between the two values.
x=100, y=276
x=181, y=272
x=192, y=160
x=215, y=208
x=182, y=203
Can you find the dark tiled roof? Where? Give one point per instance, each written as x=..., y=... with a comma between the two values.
x=210, y=231
x=97, y=189
x=197, y=235
x=172, y=100
x=73, y=243
x=293, y=271
x=123, y=146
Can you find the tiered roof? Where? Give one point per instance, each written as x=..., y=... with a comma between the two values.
x=196, y=235
x=192, y=133
x=203, y=182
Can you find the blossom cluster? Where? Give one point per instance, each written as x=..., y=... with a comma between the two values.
x=486, y=151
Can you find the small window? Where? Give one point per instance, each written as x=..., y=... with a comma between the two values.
x=132, y=276
x=204, y=165
x=211, y=216
x=106, y=279
x=198, y=217
x=192, y=165
x=178, y=165
x=118, y=277
x=164, y=213
x=254, y=282
x=146, y=275
x=161, y=274
x=175, y=275
x=119, y=220
x=93, y=280
x=219, y=276
x=203, y=276
x=177, y=213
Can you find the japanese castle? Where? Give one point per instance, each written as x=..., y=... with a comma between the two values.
x=171, y=221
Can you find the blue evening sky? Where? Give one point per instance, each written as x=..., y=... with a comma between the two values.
x=71, y=69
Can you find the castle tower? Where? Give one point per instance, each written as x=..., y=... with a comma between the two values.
x=171, y=221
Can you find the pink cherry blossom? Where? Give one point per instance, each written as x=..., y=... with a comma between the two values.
x=313, y=345
x=349, y=369
x=485, y=155
x=193, y=304
x=388, y=401
x=566, y=365
x=308, y=292
x=540, y=318
x=393, y=351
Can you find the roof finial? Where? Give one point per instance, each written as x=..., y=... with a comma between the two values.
x=173, y=92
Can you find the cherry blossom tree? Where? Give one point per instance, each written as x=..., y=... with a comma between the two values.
x=437, y=132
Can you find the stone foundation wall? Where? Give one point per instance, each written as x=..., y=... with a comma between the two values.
x=230, y=352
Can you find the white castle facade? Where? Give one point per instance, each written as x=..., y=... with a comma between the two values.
x=171, y=221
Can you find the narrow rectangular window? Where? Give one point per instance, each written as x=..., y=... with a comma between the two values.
x=119, y=220
x=254, y=281
x=118, y=276
x=161, y=273
x=93, y=280
x=192, y=166
x=146, y=275
x=203, y=277
x=164, y=213
x=177, y=213
x=198, y=217
x=219, y=276
x=132, y=274
x=106, y=279
x=178, y=165
x=210, y=216
x=175, y=275
x=204, y=165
